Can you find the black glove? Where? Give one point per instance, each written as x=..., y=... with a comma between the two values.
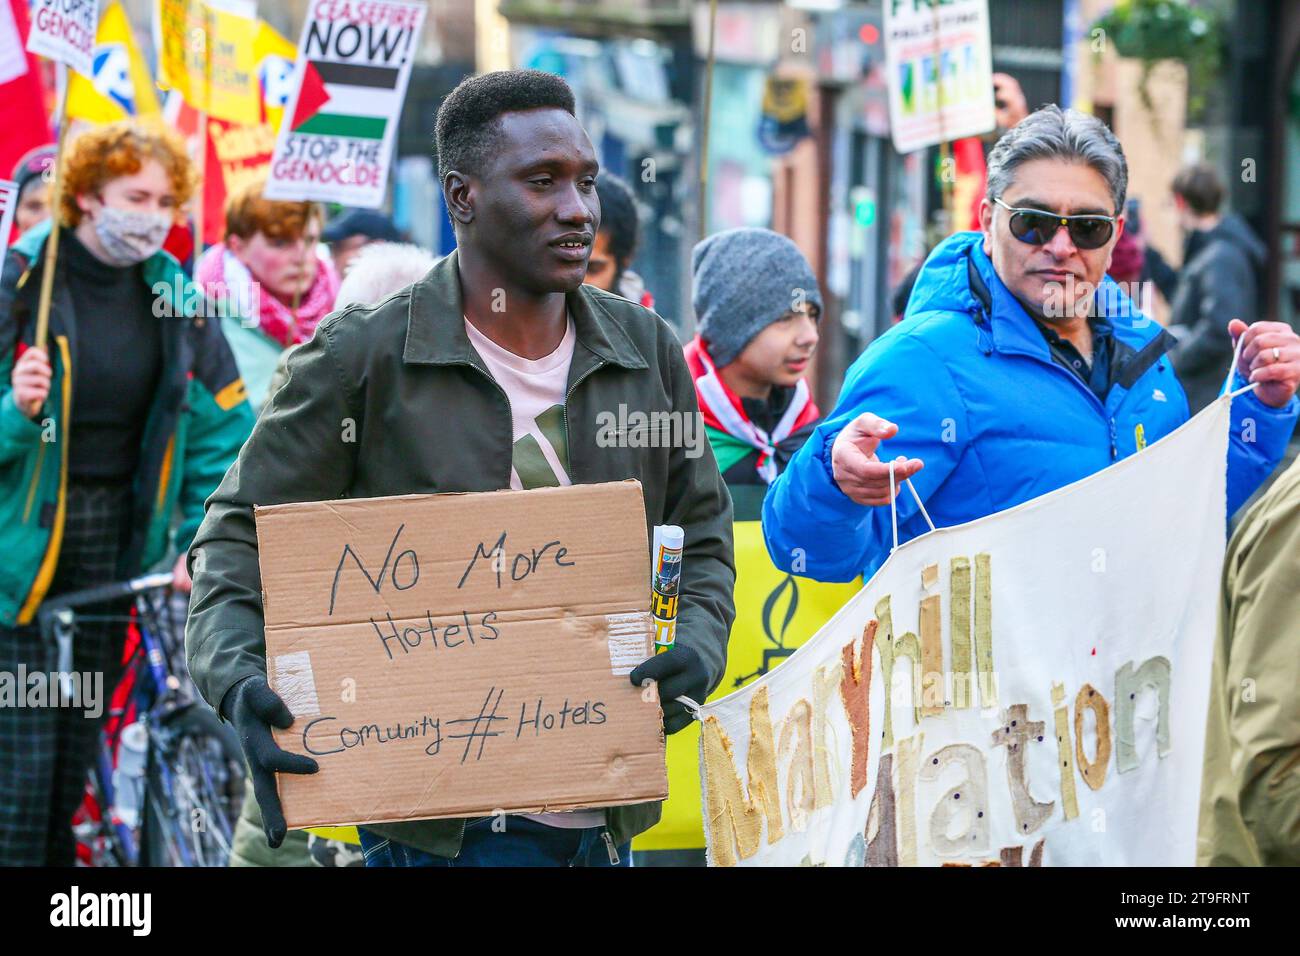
x=254, y=709
x=680, y=672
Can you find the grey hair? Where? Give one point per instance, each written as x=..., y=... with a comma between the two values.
x=1054, y=133
x=379, y=270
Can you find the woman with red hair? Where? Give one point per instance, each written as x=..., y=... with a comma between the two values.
x=132, y=411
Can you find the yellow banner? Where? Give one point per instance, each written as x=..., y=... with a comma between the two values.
x=775, y=613
x=122, y=85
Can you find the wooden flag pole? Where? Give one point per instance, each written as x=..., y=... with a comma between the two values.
x=202, y=190
x=308, y=251
x=708, y=113
x=293, y=314
x=52, y=243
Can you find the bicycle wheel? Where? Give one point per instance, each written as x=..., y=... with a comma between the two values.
x=195, y=784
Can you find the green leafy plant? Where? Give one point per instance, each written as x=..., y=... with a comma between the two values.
x=1156, y=30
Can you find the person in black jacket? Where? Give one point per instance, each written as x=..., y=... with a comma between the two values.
x=1220, y=280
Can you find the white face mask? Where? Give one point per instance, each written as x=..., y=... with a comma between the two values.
x=128, y=236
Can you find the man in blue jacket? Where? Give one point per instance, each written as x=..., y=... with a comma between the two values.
x=1018, y=368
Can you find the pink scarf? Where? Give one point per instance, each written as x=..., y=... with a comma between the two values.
x=222, y=276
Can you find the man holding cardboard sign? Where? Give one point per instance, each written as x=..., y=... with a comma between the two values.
x=494, y=371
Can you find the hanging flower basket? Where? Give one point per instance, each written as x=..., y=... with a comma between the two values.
x=1156, y=30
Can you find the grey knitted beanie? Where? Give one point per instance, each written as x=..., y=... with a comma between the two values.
x=746, y=279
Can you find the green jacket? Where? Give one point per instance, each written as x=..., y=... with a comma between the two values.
x=256, y=354
x=196, y=423
x=428, y=417
x=1250, y=792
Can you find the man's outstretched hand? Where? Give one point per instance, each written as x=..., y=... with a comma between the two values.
x=254, y=710
x=858, y=471
x=679, y=673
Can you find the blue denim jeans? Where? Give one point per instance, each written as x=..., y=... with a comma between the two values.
x=522, y=842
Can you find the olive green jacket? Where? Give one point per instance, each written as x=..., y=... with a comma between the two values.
x=428, y=417
x=1250, y=794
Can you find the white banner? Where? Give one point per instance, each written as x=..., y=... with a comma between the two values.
x=939, y=66
x=1050, y=670
x=13, y=61
x=64, y=31
x=336, y=140
x=8, y=206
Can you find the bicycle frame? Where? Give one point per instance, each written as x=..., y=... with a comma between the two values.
x=156, y=701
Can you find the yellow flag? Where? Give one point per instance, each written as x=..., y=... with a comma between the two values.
x=205, y=52
x=122, y=85
x=233, y=93
x=274, y=57
x=180, y=37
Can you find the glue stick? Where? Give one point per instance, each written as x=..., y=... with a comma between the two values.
x=665, y=576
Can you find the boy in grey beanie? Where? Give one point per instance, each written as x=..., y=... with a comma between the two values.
x=757, y=305
x=746, y=279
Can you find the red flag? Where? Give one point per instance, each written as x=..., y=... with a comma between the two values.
x=22, y=96
x=971, y=180
x=236, y=154
x=312, y=95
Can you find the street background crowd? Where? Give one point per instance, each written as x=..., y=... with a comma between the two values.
x=811, y=197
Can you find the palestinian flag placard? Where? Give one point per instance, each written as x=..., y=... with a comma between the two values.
x=336, y=139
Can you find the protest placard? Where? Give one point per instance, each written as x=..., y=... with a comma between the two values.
x=454, y=655
x=8, y=206
x=354, y=62
x=1026, y=689
x=64, y=31
x=939, y=66
x=13, y=61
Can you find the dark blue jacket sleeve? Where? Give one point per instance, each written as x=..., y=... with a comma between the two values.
x=814, y=529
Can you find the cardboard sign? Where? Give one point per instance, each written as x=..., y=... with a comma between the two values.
x=939, y=65
x=1026, y=689
x=64, y=31
x=337, y=139
x=456, y=655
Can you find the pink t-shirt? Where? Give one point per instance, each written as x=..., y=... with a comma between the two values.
x=536, y=390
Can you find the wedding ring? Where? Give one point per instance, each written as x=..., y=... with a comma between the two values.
x=1277, y=354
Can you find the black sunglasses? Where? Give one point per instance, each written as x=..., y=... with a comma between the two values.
x=1037, y=227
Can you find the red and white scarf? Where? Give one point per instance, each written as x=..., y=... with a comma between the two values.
x=722, y=410
x=221, y=274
